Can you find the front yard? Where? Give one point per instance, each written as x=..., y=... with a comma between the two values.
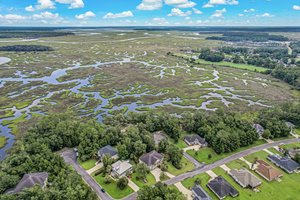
x=186, y=166
x=112, y=188
x=89, y=164
x=150, y=180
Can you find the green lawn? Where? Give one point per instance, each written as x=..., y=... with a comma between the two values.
x=273, y=150
x=293, y=145
x=186, y=166
x=237, y=164
x=89, y=164
x=181, y=144
x=259, y=155
x=112, y=188
x=150, y=180
x=203, y=153
x=2, y=141
x=297, y=131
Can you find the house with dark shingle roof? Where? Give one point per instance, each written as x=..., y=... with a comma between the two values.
x=244, y=178
x=285, y=163
x=267, y=171
x=199, y=193
x=259, y=129
x=222, y=188
x=152, y=159
x=108, y=150
x=30, y=180
x=195, y=140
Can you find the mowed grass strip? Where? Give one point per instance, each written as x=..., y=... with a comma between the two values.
x=203, y=154
x=150, y=180
x=186, y=166
x=89, y=164
x=112, y=188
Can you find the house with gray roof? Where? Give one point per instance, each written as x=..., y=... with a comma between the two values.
x=195, y=140
x=294, y=152
x=245, y=178
x=121, y=168
x=152, y=159
x=199, y=193
x=285, y=163
x=222, y=188
x=259, y=129
x=30, y=180
x=108, y=150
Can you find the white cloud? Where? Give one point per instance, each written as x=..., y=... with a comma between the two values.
x=118, y=15
x=212, y=3
x=296, y=7
x=249, y=10
x=12, y=17
x=241, y=15
x=265, y=15
x=178, y=12
x=219, y=13
x=196, y=11
x=73, y=3
x=45, y=4
x=46, y=15
x=150, y=5
x=30, y=8
x=85, y=16
x=180, y=3
x=160, y=21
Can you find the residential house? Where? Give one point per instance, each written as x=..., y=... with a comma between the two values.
x=195, y=140
x=108, y=150
x=199, y=193
x=158, y=136
x=267, y=171
x=222, y=188
x=245, y=178
x=152, y=159
x=294, y=152
x=30, y=180
x=290, y=126
x=285, y=163
x=121, y=168
x=259, y=129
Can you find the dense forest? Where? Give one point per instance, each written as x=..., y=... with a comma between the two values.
x=26, y=48
x=32, y=34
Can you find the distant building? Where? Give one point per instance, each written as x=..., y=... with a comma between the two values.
x=222, y=188
x=195, y=140
x=290, y=125
x=152, y=159
x=30, y=180
x=158, y=136
x=245, y=178
x=267, y=171
x=294, y=152
x=199, y=193
x=259, y=129
x=285, y=163
x=121, y=168
x=108, y=150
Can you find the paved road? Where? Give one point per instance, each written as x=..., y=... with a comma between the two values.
x=192, y=160
x=70, y=158
x=228, y=159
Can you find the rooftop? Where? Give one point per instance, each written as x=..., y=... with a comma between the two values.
x=285, y=163
x=193, y=138
x=107, y=150
x=222, y=188
x=267, y=170
x=245, y=178
x=200, y=193
x=151, y=158
x=121, y=166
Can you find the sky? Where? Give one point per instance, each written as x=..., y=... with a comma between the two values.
x=149, y=12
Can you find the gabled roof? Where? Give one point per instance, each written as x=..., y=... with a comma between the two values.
x=222, y=188
x=293, y=152
x=107, y=150
x=259, y=128
x=290, y=125
x=193, y=138
x=200, y=193
x=245, y=178
x=285, y=163
x=121, y=166
x=151, y=158
x=267, y=170
x=29, y=180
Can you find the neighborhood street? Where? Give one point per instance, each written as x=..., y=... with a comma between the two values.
x=70, y=158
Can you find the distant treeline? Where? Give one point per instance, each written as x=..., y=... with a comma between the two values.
x=246, y=36
x=26, y=48
x=32, y=34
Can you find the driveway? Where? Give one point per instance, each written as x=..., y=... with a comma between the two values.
x=70, y=158
x=98, y=166
x=192, y=160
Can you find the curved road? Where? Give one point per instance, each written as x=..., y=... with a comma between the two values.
x=218, y=163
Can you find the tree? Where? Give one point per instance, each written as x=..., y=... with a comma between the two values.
x=141, y=171
x=266, y=134
x=209, y=156
x=122, y=183
x=163, y=145
x=107, y=161
x=122, y=151
x=175, y=155
x=297, y=158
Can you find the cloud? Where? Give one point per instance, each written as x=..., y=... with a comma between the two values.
x=118, y=15
x=178, y=12
x=150, y=5
x=296, y=7
x=196, y=11
x=85, y=16
x=45, y=4
x=265, y=15
x=12, y=17
x=180, y=3
x=160, y=21
x=241, y=15
x=30, y=8
x=212, y=3
x=249, y=10
x=219, y=13
x=73, y=3
x=46, y=15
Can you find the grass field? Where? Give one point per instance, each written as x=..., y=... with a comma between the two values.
x=2, y=141
x=150, y=180
x=186, y=166
x=89, y=164
x=112, y=188
x=202, y=155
